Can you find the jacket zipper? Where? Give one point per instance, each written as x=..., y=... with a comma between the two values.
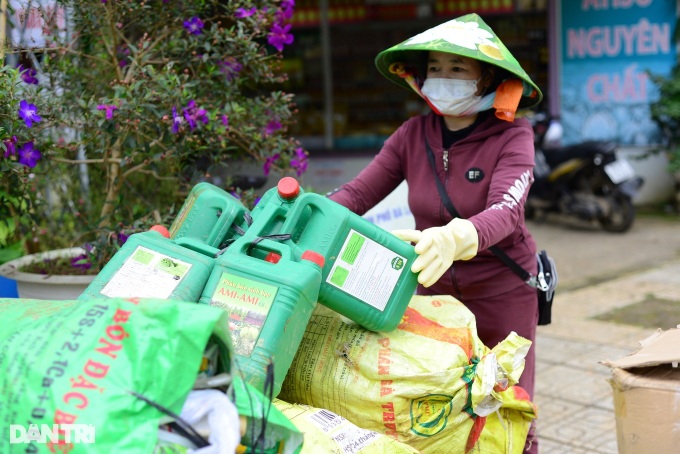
x=445, y=158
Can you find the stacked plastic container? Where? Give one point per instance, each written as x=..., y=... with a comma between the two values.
x=174, y=264
x=270, y=296
x=267, y=269
x=366, y=276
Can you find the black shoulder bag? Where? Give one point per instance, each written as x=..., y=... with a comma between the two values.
x=545, y=280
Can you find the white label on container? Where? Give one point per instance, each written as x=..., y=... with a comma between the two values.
x=146, y=274
x=350, y=438
x=366, y=270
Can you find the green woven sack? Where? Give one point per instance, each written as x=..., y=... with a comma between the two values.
x=268, y=430
x=77, y=362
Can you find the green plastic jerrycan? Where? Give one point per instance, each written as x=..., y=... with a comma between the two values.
x=269, y=296
x=150, y=265
x=211, y=216
x=367, y=276
x=274, y=205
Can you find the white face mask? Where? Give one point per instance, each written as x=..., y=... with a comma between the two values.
x=456, y=97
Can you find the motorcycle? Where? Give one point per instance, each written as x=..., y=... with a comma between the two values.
x=586, y=180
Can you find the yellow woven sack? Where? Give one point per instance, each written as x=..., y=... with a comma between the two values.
x=328, y=433
x=506, y=430
x=429, y=383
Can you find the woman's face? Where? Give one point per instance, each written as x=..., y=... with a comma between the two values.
x=442, y=65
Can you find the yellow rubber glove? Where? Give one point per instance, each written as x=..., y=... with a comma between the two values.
x=439, y=247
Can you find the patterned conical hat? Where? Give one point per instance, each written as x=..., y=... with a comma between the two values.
x=468, y=36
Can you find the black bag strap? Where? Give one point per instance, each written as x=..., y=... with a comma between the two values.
x=495, y=250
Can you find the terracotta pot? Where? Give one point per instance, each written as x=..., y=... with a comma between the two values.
x=43, y=287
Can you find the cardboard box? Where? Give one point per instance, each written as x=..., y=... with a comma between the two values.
x=646, y=386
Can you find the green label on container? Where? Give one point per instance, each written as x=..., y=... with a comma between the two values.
x=367, y=270
x=146, y=274
x=339, y=276
x=248, y=303
x=352, y=248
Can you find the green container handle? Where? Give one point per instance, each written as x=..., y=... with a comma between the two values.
x=245, y=243
x=318, y=204
x=196, y=246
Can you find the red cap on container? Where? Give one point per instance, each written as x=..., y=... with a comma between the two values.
x=161, y=229
x=288, y=188
x=314, y=257
x=272, y=257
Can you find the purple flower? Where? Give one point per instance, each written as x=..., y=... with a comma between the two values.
x=192, y=114
x=81, y=261
x=28, y=75
x=123, y=54
x=286, y=12
x=176, y=120
x=109, y=108
x=194, y=25
x=202, y=116
x=122, y=238
x=266, y=167
x=242, y=12
x=278, y=36
x=299, y=162
x=272, y=127
x=28, y=113
x=230, y=67
x=29, y=155
x=10, y=146
x=225, y=120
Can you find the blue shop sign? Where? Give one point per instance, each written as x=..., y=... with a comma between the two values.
x=607, y=49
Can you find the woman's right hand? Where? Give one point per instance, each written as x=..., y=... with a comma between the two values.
x=439, y=247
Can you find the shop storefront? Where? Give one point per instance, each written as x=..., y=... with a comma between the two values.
x=344, y=89
x=590, y=58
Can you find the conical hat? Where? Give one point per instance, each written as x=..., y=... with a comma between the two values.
x=468, y=36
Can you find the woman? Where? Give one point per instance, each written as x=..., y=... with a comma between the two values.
x=484, y=158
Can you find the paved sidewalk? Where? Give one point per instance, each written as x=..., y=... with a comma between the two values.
x=576, y=412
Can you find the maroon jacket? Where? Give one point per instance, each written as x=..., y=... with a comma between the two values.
x=487, y=176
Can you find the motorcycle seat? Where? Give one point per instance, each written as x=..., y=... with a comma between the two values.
x=556, y=156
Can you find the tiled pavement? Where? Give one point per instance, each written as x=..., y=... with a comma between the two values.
x=576, y=411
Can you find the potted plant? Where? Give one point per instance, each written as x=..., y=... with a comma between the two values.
x=132, y=103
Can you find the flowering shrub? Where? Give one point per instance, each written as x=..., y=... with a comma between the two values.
x=18, y=155
x=138, y=100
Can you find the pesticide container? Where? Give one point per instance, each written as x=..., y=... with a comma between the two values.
x=209, y=216
x=269, y=296
x=150, y=265
x=367, y=276
x=275, y=204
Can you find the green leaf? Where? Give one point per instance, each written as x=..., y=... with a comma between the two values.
x=4, y=232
